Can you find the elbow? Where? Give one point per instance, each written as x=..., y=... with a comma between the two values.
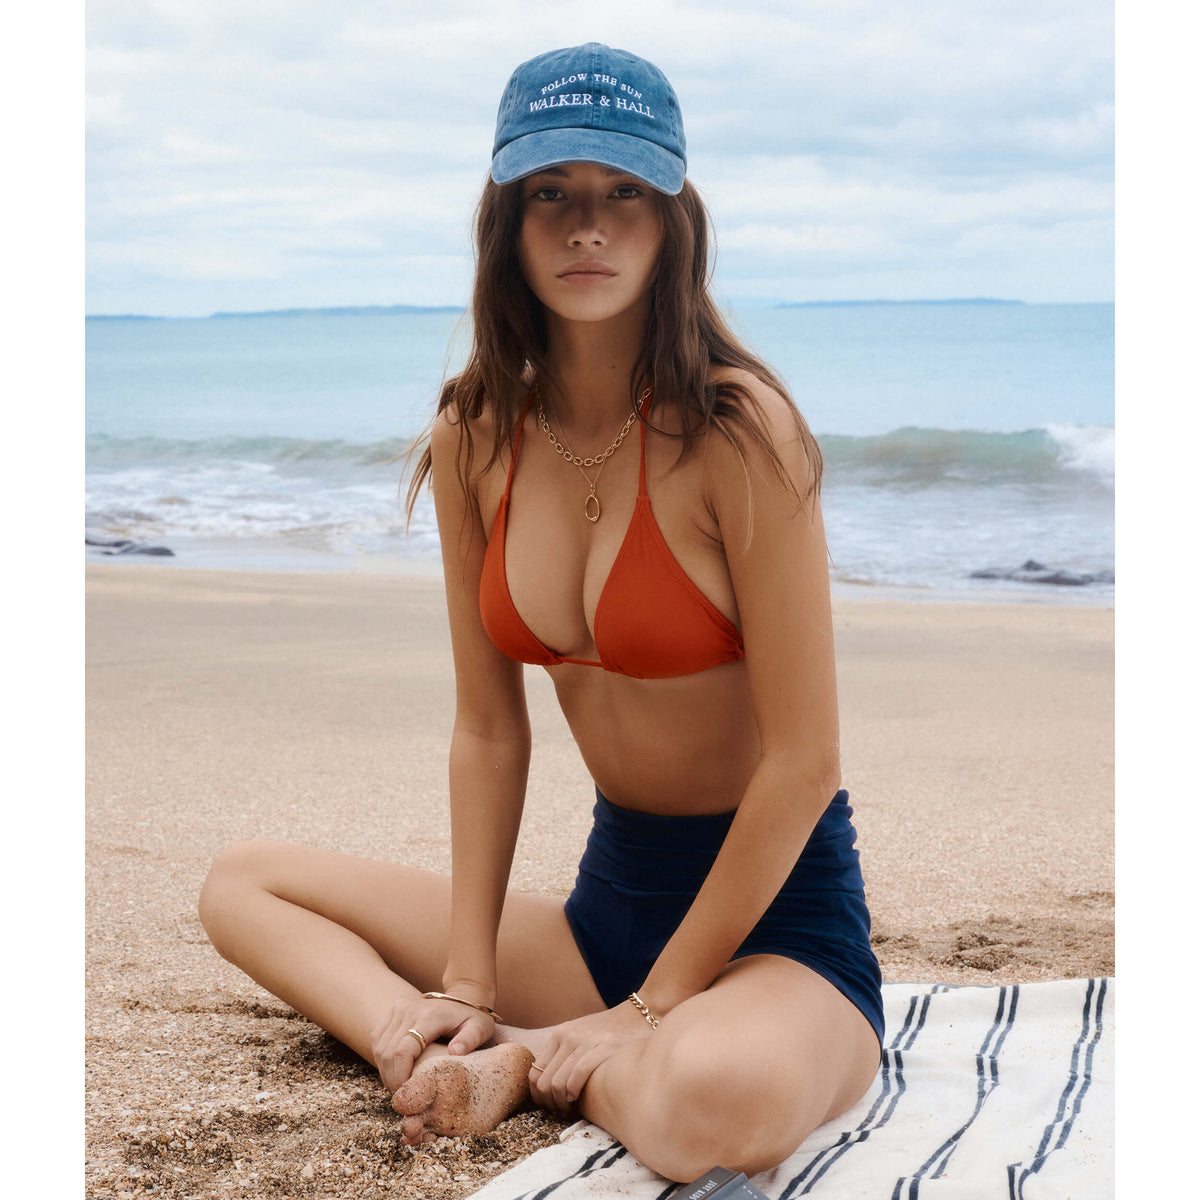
x=804, y=770
x=507, y=729
x=498, y=716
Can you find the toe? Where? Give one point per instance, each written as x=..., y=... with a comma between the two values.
x=416, y=1095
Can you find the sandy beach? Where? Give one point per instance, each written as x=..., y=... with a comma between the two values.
x=977, y=747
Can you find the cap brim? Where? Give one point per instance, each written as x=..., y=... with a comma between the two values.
x=647, y=160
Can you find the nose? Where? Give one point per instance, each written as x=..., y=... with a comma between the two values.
x=585, y=229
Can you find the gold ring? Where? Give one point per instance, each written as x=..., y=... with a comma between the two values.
x=535, y=1067
x=414, y=1033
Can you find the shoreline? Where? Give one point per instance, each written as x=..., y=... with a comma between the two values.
x=316, y=707
x=221, y=557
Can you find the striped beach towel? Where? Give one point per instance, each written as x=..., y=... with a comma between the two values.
x=983, y=1092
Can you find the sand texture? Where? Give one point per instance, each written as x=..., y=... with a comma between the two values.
x=977, y=746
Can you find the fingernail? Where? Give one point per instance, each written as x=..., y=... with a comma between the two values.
x=456, y=1047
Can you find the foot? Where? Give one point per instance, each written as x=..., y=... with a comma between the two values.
x=451, y=1095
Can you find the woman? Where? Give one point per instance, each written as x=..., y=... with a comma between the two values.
x=708, y=993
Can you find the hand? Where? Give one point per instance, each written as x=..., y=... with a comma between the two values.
x=395, y=1050
x=576, y=1048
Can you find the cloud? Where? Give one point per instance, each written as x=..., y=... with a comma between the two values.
x=260, y=139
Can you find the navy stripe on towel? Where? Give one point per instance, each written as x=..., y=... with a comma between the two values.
x=1073, y=1091
x=589, y=1164
x=987, y=1074
x=885, y=1104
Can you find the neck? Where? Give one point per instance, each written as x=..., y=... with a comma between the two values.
x=591, y=365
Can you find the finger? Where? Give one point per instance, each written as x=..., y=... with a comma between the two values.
x=562, y=1076
x=581, y=1072
x=441, y=1022
x=537, y=1074
x=539, y=1085
x=399, y=1019
x=541, y=1081
x=395, y=1068
x=472, y=1034
x=399, y=1059
x=393, y=1072
x=383, y=1044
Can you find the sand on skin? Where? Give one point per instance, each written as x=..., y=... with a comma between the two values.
x=977, y=746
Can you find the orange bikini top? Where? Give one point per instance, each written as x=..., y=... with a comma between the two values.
x=652, y=621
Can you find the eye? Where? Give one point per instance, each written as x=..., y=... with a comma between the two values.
x=545, y=193
x=627, y=191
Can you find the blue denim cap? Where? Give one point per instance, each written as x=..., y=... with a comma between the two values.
x=590, y=103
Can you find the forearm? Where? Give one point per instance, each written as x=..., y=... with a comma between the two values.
x=487, y=792
x=771, y=827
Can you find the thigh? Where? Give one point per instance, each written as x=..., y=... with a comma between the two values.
x=740, y=1074
x=403, y=913
x=778, y=1041
x=787, y=1015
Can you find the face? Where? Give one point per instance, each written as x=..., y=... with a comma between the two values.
x=590, y=240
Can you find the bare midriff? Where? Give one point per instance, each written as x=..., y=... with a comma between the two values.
x=672, y=746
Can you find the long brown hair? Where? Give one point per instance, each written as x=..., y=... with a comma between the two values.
x=685, y=337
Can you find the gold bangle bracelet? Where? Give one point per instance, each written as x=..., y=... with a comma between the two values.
x=483, y=1008
x=640, y=1005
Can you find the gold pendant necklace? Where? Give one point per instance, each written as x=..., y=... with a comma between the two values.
x=592, y=498
x=591, y=505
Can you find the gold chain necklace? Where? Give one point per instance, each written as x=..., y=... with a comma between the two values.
x=591, y=505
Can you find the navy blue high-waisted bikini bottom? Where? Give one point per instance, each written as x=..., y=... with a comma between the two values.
x=641, y=871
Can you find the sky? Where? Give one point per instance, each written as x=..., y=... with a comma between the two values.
x=262, y=154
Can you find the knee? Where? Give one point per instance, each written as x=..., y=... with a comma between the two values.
x=235, y=870
x=719, y=1107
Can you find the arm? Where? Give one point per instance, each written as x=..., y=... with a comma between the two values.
x=489, y=762
x=489, y=749
x=778, y=564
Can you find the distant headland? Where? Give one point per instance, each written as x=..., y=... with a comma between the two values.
x=388, y=310
x=872, y=303
x=354, y=310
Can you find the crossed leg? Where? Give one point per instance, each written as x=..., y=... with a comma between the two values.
x=340, y=938
x=738, y=1075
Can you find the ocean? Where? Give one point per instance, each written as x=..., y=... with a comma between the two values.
x=957, y=438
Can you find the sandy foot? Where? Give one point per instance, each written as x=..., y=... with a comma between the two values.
x=449, y=1095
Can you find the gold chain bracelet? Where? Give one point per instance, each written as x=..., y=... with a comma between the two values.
x=640, y=1005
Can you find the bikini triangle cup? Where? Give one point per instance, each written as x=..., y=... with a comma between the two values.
x=652, y=621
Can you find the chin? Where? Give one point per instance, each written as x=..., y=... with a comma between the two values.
x=590, y=308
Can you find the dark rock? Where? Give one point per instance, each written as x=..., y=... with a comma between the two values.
x=138, y=548
x=1032, y=571
x=125, y=546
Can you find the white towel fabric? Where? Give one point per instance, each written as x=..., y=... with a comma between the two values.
x=983, y=1092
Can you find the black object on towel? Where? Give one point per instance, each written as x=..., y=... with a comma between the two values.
x=720, y=1184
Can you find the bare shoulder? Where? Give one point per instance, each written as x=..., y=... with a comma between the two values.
x=449, y=429
x=446, y=431
x=773, y=433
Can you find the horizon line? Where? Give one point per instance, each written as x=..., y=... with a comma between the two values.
x=734, y=301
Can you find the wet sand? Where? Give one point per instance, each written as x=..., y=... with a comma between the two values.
x=977, y=746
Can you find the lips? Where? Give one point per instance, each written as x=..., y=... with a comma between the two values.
x=587, y=266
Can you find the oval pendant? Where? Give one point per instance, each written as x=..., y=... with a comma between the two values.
x=592, y=515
